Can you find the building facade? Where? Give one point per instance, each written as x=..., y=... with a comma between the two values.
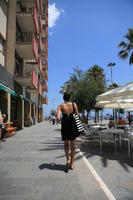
x=23, y=60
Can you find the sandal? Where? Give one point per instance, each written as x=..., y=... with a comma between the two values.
x=67, y=167
x=71, y=167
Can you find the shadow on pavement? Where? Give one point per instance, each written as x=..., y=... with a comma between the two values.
x=57, y=129
x=52, y=166
x=108, y=153
x=52, y=147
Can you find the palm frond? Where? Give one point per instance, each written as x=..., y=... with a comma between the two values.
x=121, y=52
x=129, y=47
x=131, y=59
x=122, y=44
x=129, y=35
x=123, y=55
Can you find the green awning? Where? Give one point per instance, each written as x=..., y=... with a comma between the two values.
x=6, y=89
x=21, y=97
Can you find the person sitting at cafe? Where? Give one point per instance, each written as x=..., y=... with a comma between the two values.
x=121, y=121
x=3, y=135
x=129, y=117
x=111, y=121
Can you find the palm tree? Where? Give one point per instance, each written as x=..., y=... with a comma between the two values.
x=127, y=47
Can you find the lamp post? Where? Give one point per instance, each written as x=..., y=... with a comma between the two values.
x=111, y=64
x=53, y=103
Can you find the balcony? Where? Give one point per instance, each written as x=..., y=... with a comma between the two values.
x=44, y=100
x=45, y=67
x=26, y=46
x=28, y=79
x=45, y=74
x=28, y=21
x=28, y=4
x=44, y=58
x=44, y=86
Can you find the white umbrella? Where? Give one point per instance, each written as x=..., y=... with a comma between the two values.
x=119, y=92
x=124, y=103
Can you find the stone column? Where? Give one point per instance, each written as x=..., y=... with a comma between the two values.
x=36, y=118
x=9, y=106
x=22, y=113
x=11, y=37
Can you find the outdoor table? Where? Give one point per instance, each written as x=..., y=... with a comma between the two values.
x=130, y=140
x=117, y=132
x=98, y=127
x=121, y=126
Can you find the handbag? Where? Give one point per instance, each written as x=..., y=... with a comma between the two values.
x=77, y=124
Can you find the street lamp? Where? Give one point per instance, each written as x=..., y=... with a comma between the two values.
x=111, y=64
x=53, y=102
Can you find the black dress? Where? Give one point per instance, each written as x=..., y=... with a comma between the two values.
x=67, y=131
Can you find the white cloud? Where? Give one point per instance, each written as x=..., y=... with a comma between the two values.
x=54, y=14
x=50, y=33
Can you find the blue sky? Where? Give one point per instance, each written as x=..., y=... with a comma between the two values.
x=85, y=33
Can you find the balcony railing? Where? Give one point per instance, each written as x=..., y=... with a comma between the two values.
x=41, y=7
x=40, y=23
x=40, y=89
x=26, y=46
x=40, y=43
x=40, y=64
x=28, y=20
x=34, y=79
x=35, y=19
x=44, y=100
x=35, y=47
x=25, y=37
x=37, y=4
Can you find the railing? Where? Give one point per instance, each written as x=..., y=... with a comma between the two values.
x=35, y=19
x=19, y=70
x=24, y=37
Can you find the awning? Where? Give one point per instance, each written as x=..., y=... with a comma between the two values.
x=6, y=89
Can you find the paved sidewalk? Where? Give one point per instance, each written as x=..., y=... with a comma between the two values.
x=32, y=168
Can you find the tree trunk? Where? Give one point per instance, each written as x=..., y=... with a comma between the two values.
x=87, y=117
x=96, y=116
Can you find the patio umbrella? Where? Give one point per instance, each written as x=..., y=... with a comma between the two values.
x=116, y=103
x=118, y=93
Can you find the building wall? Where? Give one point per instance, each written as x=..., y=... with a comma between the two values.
x=11, y=37
x=3, y=21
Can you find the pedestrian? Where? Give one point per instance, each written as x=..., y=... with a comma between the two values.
x=53, y=119
x=67, y=128
x=3, y=136
x=1, y=122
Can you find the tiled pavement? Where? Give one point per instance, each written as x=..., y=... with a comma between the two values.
x=32, y=168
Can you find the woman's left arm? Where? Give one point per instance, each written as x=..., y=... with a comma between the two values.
x=58, y=113
x=76, y=108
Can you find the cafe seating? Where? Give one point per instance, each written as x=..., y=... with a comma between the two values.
x=10, y=130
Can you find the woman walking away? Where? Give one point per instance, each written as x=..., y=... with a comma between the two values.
x=68, y=136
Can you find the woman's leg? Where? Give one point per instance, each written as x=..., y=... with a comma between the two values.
x=72, y=153
x=0, y=134
x=66, y=148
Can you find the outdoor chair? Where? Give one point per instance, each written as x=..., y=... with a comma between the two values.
x=130, y=142
x=106, y=136
x=92, y=135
